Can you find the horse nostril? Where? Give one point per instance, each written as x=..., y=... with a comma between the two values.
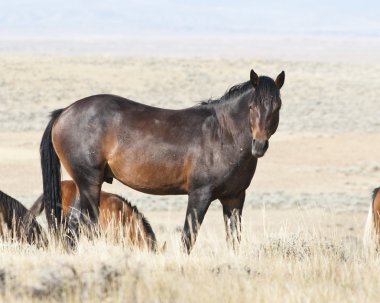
x=259, y=147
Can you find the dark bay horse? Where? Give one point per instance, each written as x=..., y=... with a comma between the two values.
x=18, y=223
x=208, y=152
x=115, y=212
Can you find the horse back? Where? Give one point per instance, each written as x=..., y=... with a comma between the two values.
x=132, y=140
x=115, y=213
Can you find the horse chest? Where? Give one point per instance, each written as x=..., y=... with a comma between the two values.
x=229, y=173
x=239, y=176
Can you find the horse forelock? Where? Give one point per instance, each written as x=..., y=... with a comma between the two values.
x=267, y=90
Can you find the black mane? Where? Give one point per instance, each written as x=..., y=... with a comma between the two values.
x=144, y=220
x=266, y=87
x=20, y=220
x=235, y=91
x=10, y=207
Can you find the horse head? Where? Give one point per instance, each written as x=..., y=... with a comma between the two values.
x=264, y=110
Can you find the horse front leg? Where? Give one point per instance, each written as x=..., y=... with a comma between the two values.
x=197, y=206
x=232, y=212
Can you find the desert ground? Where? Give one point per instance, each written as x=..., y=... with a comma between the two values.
x=305, y=209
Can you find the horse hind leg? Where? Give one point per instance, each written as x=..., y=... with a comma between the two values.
x=85, y=209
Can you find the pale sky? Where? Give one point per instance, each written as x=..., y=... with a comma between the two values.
x=169, y=17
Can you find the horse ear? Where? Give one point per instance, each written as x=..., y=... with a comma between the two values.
x=254, y=78
x=280, y=80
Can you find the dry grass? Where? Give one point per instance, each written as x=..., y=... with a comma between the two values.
x=285, y=256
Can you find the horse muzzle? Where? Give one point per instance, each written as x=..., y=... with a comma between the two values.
x=259, y=147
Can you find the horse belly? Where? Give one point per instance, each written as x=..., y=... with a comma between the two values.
x=160, y=178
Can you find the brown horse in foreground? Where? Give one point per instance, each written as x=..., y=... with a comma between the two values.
x=114, y=213
x=208, y=152
x=18, y=223
x=372, y=229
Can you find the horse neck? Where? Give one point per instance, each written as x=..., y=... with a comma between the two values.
x=233, y=119
x=141, y=232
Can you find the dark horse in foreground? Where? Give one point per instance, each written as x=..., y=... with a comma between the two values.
x=17, y=223
x=208, y=152
x=117, y=217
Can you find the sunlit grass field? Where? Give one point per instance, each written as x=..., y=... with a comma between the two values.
x=315, y=179
x=285, y=256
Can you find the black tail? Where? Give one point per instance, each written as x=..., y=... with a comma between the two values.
x=51, y=175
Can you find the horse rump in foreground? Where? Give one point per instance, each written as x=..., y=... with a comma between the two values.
x=208, y=152
x=18, y=223
x=372, y=228
x=115, y=212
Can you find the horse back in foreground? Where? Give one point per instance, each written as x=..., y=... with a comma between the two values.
x=18, y=223
x=118, y=218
